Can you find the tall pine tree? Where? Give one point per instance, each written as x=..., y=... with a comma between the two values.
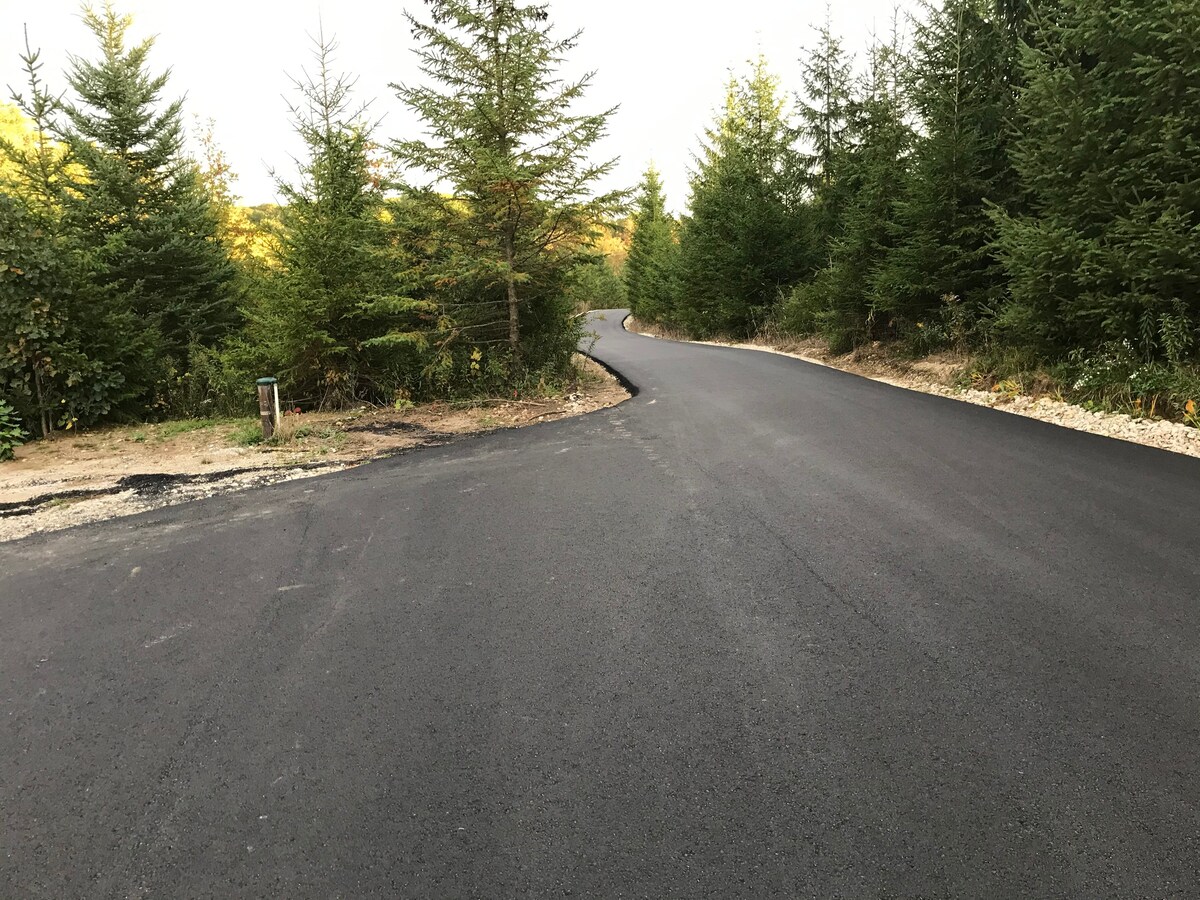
x=823, y=111
x=745, y=237
x=840, y=299
x=505, y=141
x=335, y=319
x=1106, y=250
x=960, y=170
x=650, y=270
x=137, y=202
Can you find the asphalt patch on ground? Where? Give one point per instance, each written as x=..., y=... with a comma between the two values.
x=386, y=428
x=145, y=486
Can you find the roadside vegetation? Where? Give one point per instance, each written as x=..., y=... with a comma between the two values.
x=1013, y=182
x=116, y=470
x=398, y=269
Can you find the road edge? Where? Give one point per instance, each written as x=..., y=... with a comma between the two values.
x=1169, y=437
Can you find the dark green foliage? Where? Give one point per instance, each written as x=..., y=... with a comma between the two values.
x=32, y=326
x=505, y=142
x=135, y=205
x=841, y=300
x=746, y=237
x=959, y=169
x=824, y=114
x=39, y=361
x=65, y=345
x=1110, y=138
x=593, y=284
x=652, y=266
x=11, y=435
x=335, y=318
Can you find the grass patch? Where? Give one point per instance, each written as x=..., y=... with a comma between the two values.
x=182, y=426
x=289, y=433
x=246, y=434
x=65, y=501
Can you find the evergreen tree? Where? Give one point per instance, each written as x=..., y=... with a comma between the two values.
x=36, y=167
x=960, y=168
x=1108, y=157
x=840, y=300
x=136, y=200
x=64, y=345
x=593, y=284
x=505, y=141
x=335, y=319
x=1015, y=18
x=823, y=111
x=745, y=237
x=651, y=267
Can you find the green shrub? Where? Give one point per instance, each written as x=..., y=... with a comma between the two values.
x=11, y=435
x=247, y=434
x=1118, y=376
x=219, y=382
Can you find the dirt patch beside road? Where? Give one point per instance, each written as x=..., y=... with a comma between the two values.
x=120, y=471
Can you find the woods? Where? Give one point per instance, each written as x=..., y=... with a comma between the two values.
x=1012, y=181
x=1016, y=181
x=133, y=286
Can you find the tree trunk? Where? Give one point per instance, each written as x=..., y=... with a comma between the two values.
x=514, y=319
x=43, y=413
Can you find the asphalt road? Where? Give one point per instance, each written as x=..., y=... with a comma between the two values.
x=767, y=629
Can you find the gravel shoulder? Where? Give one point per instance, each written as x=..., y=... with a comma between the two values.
x=115, y=472
x=940, y=375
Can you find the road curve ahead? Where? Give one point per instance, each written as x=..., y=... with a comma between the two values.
x=767, y=629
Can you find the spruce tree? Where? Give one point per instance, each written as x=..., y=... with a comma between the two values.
x=840, y=299
x=745, y=237
x=137, y=202
x=65, y=345
x=960, y=170
x=1106, y=250
x=823, y=112
x=594, y=284
x=651, y=268
x=513, y=187
x=335, y=320
x=36, y=165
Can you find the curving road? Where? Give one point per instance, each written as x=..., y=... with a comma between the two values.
x=767, y=629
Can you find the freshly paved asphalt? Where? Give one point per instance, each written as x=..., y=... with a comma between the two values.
x=767, y=629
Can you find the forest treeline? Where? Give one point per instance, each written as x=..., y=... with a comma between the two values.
x=133, y=285
x=1017, y=179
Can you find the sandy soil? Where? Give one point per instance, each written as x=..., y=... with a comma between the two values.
x=119, y=471
x=941, y=373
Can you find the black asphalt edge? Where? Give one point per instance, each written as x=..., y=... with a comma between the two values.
x=633, y=389
x=145, y=485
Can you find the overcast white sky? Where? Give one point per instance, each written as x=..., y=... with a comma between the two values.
x=663, y=61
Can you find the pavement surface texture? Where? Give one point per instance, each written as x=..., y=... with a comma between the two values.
x=766, y=629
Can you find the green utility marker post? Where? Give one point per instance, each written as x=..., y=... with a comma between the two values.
x=268, y=405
